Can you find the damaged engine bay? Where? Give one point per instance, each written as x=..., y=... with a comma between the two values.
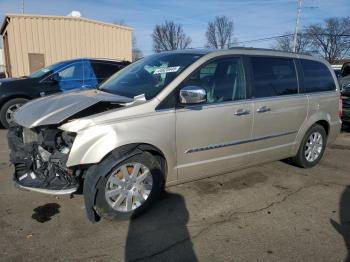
x=39, y=156
x=40, y=150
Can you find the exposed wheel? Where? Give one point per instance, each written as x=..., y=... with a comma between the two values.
x=130, y=187
x=7, y=110
x=312, y=147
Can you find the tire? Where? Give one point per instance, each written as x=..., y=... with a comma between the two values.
x=14, y=103
x=149, y=165
x=303, y=158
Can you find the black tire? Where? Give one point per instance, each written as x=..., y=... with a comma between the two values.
x=6, y=106
x=300, y=159
x=103, y=208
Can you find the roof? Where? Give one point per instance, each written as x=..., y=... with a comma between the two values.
x=9, y=16
x=96, y=59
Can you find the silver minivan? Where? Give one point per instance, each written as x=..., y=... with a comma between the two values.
x=174, y=117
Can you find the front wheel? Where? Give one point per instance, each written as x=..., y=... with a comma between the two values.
x=312, y=147
x=130, y=187
x=7, y=110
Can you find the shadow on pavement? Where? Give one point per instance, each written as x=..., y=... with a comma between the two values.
x=343, y=227
x=161, y=234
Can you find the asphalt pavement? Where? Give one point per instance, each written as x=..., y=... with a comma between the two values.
x=270, y=212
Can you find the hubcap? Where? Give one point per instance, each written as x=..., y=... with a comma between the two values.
x=128, y=187
x=10, y=111
x=313, y=147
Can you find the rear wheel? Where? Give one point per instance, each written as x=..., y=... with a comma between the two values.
x=130, y=187
x=7, y=110
x=312, y=147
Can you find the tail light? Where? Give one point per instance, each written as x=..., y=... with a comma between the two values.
x=341, y=107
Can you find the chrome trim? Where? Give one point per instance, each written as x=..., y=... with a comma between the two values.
x=193, y=95
x=233, y=143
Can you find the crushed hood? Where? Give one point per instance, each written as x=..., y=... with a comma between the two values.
x=55, y=109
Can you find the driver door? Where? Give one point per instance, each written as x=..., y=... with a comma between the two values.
x=211, y=138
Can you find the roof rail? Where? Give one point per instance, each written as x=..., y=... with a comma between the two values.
x=264, y=49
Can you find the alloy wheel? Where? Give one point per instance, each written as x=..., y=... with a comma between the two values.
x=313, y=147
x=128, y=187
x=10, y=111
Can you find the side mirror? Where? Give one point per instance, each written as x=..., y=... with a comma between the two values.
x=193, y=95
x=55, y=78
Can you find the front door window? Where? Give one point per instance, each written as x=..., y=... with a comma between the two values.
x=71, y=77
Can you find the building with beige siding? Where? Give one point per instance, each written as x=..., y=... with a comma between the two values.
x=34, y=41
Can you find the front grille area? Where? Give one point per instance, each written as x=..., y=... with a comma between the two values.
x=346, y=102
x=346, y=109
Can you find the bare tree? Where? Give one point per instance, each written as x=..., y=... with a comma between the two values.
x=331, y=39
x=285, y=43
x=136, y=52
x=169, y=36
x=220, y=33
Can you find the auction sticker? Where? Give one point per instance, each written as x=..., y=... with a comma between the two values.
x=166, y=70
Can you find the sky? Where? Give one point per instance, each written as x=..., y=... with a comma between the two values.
x=253, y=19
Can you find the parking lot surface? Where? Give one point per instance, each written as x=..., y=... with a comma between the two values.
x=270, y=212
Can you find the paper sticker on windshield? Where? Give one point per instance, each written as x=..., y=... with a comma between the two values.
x=166, y=70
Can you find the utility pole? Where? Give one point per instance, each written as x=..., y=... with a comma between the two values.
x=22, y=7
x=297, y=25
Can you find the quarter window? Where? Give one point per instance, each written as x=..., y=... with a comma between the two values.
x=316, y=77
x=223, y=79
x=273, y=76
x=104, y=70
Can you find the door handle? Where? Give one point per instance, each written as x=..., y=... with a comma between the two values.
x=263, y=109
x=241, y=112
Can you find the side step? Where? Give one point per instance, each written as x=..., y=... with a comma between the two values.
x=48, y=191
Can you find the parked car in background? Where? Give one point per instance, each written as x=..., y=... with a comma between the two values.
x=344, y=83
x=336, y=69
x=174, y=117
x=60, y=77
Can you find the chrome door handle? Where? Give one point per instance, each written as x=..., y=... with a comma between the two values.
x=263, y=109
x=241, y=112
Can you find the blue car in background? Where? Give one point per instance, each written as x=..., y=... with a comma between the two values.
x=60, y=77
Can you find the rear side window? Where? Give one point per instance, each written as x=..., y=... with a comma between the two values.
x=315, y=77
x=104, y=70
x=273, y=76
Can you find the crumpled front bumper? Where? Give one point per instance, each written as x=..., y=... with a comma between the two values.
x=21, y=155
x=30, y=158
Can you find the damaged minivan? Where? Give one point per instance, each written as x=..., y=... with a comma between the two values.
x=174, y=117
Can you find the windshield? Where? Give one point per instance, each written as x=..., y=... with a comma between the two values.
x=43, y=71
x=149, y=75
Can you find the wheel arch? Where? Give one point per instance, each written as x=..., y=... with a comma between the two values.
x=14, y=96
x=320, y=119
x=325, y=124
x=97, y=171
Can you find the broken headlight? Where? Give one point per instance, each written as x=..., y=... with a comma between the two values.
x=64, y=141
x=29, y=136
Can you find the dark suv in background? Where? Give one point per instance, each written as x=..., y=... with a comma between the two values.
x=60, y=77
x=344, y=83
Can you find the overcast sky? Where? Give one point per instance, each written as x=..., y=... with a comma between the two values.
x=252, y=18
